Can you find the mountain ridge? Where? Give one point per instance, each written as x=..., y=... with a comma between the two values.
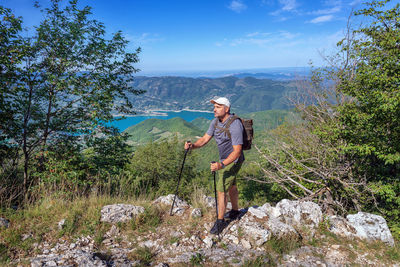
x=246, y=94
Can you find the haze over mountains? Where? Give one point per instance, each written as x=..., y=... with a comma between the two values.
x=284, y=73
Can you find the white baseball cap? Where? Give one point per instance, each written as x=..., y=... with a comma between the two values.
x=222, y=101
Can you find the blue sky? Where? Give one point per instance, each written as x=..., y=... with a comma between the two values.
x=190, y=35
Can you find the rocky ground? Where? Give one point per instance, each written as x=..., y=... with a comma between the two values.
x=290, y=234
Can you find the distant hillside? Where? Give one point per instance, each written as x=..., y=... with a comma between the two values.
x=201, y=123
x=271, y=76
x=157, y=129
x=177, y=93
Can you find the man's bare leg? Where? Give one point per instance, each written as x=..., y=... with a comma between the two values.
x=222, y=202
x=234, y=196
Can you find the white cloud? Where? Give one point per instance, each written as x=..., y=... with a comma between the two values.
x=321, y=19
x=144, y=38
x=253, y=34
x=260, y=39
x=288, y=35
x=251, y=41
x=288, y=5
x=237, y=6
x=332, y=2
x=327, y=11
x=355, y=2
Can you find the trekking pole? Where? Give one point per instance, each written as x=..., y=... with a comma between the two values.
x=216, y=200
x=179, y=179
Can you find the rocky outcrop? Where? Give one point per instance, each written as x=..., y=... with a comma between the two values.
x=362, y=225
x=119, y=212
x=299, y=213
x=82, y=252
x=341, y=227
x=254, y=230
x=180, y=206
x=371, y=227
x=241, y=240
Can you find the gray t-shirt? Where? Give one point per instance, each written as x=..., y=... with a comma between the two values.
x=223, y=141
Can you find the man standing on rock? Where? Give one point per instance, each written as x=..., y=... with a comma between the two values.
x=231, y=159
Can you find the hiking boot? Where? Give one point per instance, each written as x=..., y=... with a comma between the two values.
x=219, y=225
x=232, y=215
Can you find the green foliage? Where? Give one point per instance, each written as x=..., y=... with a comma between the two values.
x=370, y=123
x=155, y=167
x=196, y=259
x=282, y=246
x=148, y=220
x=345, y=152
x=142, y=254
x=3, y=253
x=61, y=86
x=107, y=153
x=260, y=261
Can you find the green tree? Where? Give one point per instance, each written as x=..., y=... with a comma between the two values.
x=12, y=50
x=69, y=82
x=345, y=153
x=155, y=167
x=370, y=122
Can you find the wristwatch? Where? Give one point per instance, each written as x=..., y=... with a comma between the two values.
x=222, y=164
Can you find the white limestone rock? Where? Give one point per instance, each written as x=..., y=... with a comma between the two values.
x=112, y=232
x=281, y=230
x=208, y=241
x=300, y=213
x=270, y=211
x=210, y=202
x=254, y=230
x=179, y=206
x=257, y=212
x=61, y=224
x=341, y=227
x=371, y=227
x=246, y=244
x=119, y=212
x=196, y=213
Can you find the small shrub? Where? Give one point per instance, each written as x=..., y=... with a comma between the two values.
x=142, y=254
x=282, y=246
x=260, y=261
x=172, y=240
x=99, y=236
x=149, y=219
x=71, y=223
x=196, y=259
x=3, y=253
x=393, y=253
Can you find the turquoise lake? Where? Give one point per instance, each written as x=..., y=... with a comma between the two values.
x=186, y=115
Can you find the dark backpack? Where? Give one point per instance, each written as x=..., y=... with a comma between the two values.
x=248, y=132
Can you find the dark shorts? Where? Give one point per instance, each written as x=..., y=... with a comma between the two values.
x=227, y=177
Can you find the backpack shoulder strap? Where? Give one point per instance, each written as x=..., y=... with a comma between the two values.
x=228, y=124
x=231, y=119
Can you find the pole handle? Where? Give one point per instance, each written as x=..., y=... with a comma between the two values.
x=213, y=162
x=188, y=141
